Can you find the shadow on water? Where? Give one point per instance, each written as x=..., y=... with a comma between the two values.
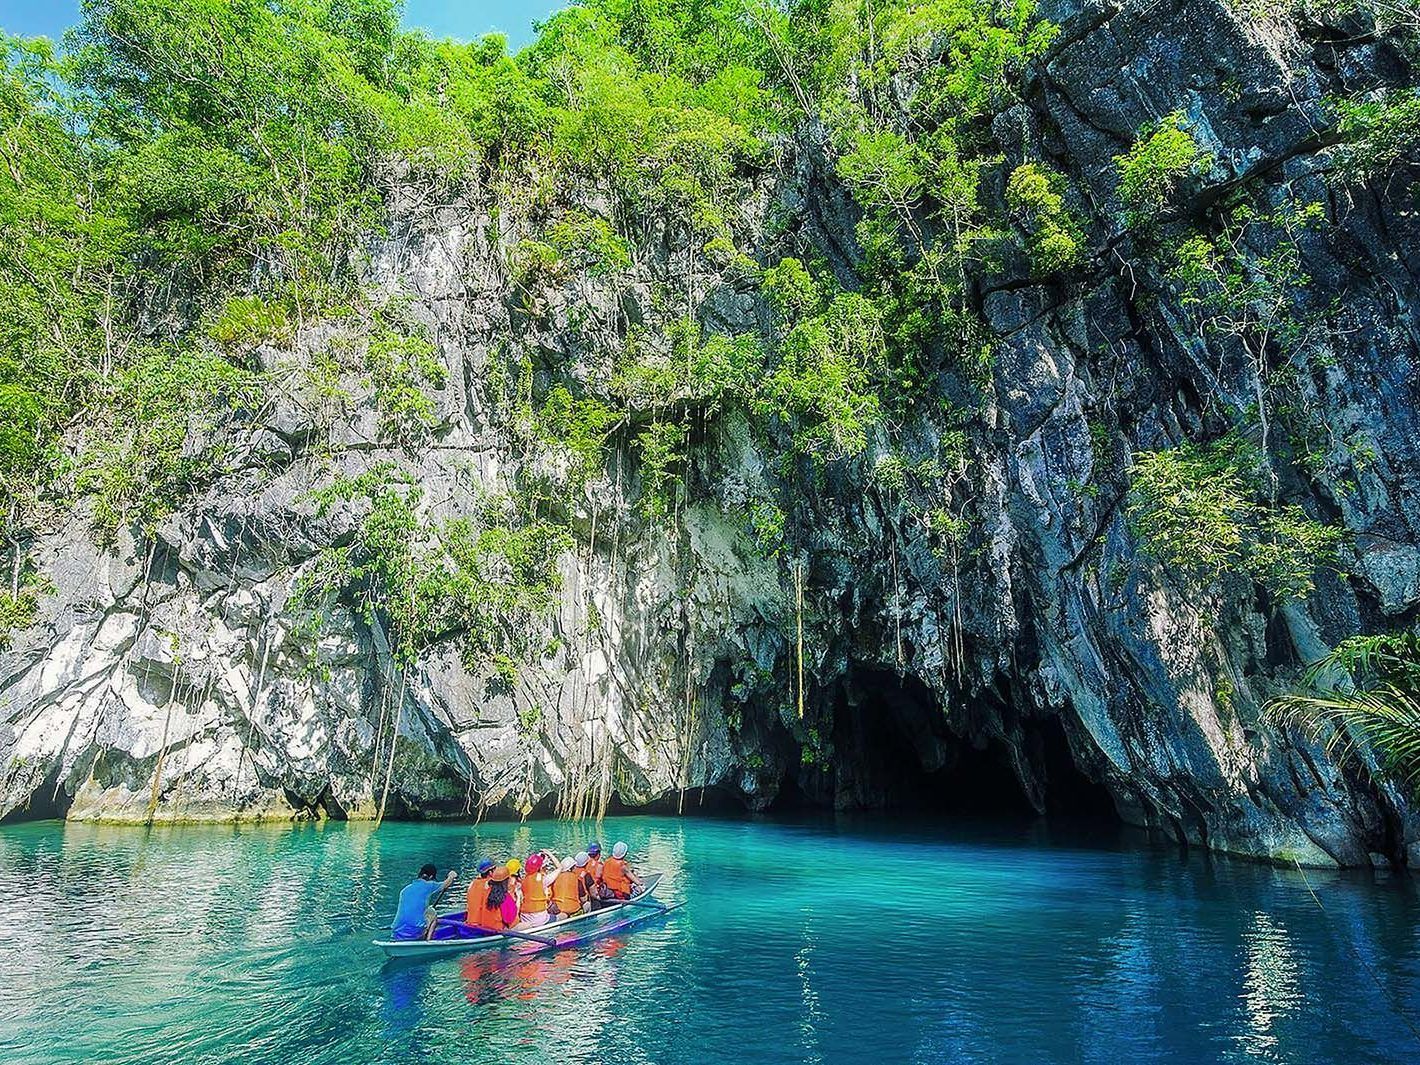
x=403, y=985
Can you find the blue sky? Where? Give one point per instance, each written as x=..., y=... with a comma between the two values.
x=441, y=18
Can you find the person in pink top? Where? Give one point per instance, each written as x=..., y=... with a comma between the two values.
x=500, y=912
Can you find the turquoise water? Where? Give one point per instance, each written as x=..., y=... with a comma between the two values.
x=814, y=941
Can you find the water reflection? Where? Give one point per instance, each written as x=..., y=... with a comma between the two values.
x=1271, y=986
x=811, y=1018
x=239, y=945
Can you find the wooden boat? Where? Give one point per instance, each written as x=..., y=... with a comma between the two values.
x=452, y=935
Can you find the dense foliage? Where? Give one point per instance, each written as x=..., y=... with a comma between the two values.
x=477, y=581
x=189, y=181
x=1201, y=511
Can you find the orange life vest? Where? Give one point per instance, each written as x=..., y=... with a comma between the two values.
x=564, y=892
x=493, y=918
x=594, y=866
x=477, y=900
x=534, y=894
x=617, y=876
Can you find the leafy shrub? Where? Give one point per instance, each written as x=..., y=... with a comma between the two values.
x=248, y=321
x=791, y=289
x=1035, y=197
x=1363, y=694
x=766, y=524
x=589, y=244
x=534, y=261
x=1380, y=135
x=19, y=603
x=156, y=437
x=884, y=170
x=1153, y=172
x=822, y=386
x=661, y=447
x=483, y=585
x=1246, y=285
x=1194, y=509
x=579, y=425
x=400, y=362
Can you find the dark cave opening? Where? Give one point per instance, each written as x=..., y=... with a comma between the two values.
x=892, y=748
x=49, y=801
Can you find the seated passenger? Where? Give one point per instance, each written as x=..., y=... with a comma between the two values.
x=594, y=860
x=617, y=874
x=585, y=866
x=500, y=908
x=567, y=890
x=477, y=892
x=535, y=897
x=414, y=916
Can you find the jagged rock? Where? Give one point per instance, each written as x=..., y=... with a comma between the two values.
x=170, y=679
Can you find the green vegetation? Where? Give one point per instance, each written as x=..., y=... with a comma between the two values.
x=153, y=433
x=1154, y=172
x=203, y=175
x=400, y=363
x=1381, y=135
x=247, y=321
x=484, y=583
x=19, y=602
x=1244, y=284
x=1035, y=196
x=1196, y=510
x=1365, y=693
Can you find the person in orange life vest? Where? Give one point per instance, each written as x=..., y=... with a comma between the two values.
x=477, y=892
x=620, y=881
x=567, y=890
x=594, y=860
x=500, y=909
x=535, y=898
x=587, y=879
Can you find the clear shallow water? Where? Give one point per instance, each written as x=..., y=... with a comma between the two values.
x=986, y=943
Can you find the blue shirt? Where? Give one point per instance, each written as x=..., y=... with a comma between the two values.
x=409, y=922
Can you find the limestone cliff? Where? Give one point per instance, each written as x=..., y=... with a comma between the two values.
x=171, y=679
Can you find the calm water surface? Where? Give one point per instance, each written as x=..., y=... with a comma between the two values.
x=813, y=941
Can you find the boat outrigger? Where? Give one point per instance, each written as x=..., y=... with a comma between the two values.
x=452, y=935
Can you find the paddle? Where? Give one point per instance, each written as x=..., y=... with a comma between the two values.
x=644, y=902
x=612, y=929
x=544, y=940
x=485, y=932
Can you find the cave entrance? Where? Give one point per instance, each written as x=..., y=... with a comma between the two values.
x=892, y=749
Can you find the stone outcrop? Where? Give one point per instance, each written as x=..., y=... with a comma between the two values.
x=166, y=678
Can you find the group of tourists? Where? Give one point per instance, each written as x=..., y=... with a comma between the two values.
x=521, y=894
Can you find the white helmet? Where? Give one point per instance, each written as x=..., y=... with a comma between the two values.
x=582, y=859
x=619, y=851
x=566, y=864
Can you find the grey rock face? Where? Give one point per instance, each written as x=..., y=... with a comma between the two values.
x=170, y=679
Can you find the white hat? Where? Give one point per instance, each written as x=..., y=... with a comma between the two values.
x=566, y=864
x=619, y=851
x=582, y=859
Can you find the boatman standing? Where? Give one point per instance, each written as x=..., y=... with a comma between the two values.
x=414, y=917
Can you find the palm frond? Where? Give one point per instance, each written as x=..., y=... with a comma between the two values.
x=1385, y=718
x=1361, y=659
